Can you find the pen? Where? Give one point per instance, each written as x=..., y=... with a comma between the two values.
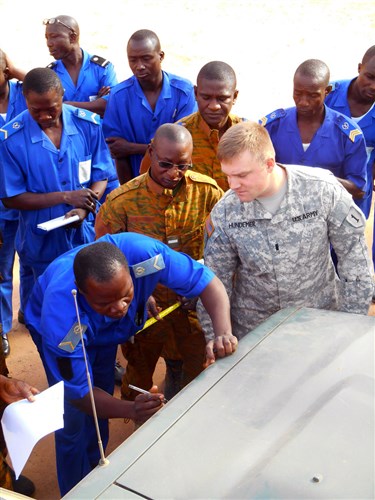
x=142, y=391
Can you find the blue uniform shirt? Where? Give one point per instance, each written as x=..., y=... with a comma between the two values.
x=94, y=74
x=129, y=115
x=338, y=145
x=51, y=310
x=31, y=163
x=338, y=99
x=16, y=104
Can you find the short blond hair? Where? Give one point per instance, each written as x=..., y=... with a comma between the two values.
x=245, y=136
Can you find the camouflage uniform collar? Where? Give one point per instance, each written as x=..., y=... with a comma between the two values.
x=156, y=188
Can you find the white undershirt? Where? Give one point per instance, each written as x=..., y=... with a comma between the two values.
x=359, y=118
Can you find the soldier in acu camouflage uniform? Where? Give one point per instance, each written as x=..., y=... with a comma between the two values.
x=169, y=203
x=269, y=237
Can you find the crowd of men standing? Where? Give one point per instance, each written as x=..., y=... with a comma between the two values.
x=158, y=156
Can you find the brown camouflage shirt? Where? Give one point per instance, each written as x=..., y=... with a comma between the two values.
x=175, y=218
x=205, y=142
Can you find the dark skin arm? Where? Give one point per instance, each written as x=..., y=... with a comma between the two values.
x=124, y=170
x=216, y=302
x=81, y=198
x=352, y=188
x=98, y=106
x=107, y=406
x=12, y=389
x=120, y=150
x=12, y=71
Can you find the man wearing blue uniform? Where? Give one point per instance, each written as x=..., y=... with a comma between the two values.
x=313, y=135
x=54, y=162
x=115, y=277
x=87, y=79
x=139, y=105
x=12, y=102
x=356, y=98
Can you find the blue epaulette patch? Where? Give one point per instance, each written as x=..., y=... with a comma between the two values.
x=149, y=266
x=71, y=339
x=87, y=115
x=348, y=128
x=335, y=85
x=275, y=115
x=10, y=129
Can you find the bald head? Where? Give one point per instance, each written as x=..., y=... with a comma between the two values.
x=315, y=70
x=62, y=24
x=170, y=153
x=220, y=71
x=146, y=36
x=173, y=133
x=369, y=54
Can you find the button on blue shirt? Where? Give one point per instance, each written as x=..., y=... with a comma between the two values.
x=16, y=104
x=92, y=77
x=51, y=311
x=338, y=99
x=32, y=163
x=331, y=147
x=129, y=114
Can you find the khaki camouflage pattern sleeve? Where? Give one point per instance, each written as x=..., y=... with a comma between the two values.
x=113, y=213
x=346, y=226
x=220, y=257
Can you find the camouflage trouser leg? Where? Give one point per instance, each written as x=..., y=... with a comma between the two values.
x=177, y=337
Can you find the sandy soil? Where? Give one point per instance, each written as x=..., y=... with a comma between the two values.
x=264, y=41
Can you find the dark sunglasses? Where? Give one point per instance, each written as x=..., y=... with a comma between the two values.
x=54, y=20
x=168, y=164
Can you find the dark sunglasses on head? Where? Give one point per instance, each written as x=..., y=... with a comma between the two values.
x=54, y=20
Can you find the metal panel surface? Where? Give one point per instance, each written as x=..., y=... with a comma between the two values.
x=289, y=415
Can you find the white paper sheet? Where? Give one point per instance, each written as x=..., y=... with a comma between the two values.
x=58, y=222
x=24, y=423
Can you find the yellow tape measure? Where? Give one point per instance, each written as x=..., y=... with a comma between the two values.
x=162, y=314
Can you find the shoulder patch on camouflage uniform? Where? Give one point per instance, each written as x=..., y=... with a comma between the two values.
x=348, y=128
x=10, y=129
x=149, y=266
x=210, y=228
x=84, y=114
x=51, y=65
x=100, y=61
x=275, y=115
x=355, y=217
x=71, y=339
